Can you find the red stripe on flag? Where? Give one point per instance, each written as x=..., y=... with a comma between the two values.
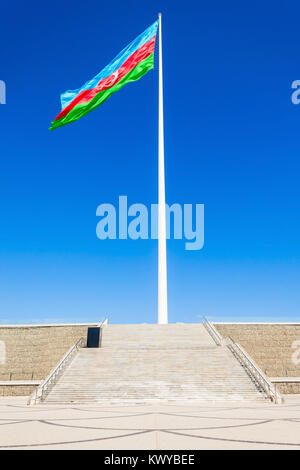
x=87, y=95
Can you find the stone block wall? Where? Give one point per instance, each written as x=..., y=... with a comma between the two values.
x=269, y=345
x=288, y=388
x=16, y=390
x=33, y=351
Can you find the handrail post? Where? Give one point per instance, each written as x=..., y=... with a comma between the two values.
x=213, y=332
x=38, y=394
x=255, y=371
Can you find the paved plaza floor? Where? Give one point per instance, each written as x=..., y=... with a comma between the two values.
x=155, y=427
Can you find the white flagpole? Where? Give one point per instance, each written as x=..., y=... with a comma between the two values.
x=162, y=248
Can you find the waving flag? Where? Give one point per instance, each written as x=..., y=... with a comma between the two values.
x=131, y=64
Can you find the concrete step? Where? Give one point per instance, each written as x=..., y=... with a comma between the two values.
x=154, y=363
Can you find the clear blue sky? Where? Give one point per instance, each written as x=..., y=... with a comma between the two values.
x=232, y=142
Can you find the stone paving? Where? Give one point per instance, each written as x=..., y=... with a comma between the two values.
x=165, y=427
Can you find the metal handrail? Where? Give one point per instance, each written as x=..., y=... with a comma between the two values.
x=104, y=322
x=39, y=393
x=101, y=325
x=213, y=332
x=254, y=370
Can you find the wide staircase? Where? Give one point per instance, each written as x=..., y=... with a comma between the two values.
x=154, y=363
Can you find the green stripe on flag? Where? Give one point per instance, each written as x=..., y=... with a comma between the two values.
x=82, y=109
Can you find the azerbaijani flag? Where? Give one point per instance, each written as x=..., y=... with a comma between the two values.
x=130, y=64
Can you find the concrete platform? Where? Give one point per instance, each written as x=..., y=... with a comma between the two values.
x=167, y=427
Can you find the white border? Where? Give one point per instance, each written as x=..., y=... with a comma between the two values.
x=47, y=325
x=253, y=323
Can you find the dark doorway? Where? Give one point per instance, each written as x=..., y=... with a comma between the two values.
x=93, y=338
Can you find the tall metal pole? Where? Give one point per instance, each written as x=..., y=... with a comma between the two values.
x=162, y=248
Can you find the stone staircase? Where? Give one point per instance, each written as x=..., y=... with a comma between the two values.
x=154, y=363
